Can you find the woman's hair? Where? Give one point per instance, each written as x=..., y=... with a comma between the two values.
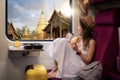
x=86, y=35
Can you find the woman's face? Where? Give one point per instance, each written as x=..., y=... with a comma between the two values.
x=80, y=29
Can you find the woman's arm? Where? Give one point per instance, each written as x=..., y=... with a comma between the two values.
x=56, y=66
x=53, y=73
x=91, y=50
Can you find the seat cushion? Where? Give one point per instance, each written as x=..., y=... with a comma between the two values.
x=115, y=76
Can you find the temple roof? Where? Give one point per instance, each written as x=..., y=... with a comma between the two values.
x=41, y=23
x=11, y=30
x=60, y=16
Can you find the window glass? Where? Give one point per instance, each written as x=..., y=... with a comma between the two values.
x=38, y=19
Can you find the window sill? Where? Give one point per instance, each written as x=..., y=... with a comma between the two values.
x=16, y=52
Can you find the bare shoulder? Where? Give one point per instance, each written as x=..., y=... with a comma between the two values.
x=92, y=42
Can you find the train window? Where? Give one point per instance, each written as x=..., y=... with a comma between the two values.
x=38, y=19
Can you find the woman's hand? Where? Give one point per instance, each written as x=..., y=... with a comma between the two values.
x=75, y=40
x=75, y=47
x=52, y=74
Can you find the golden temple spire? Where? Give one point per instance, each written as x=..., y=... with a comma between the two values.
x=41, y=25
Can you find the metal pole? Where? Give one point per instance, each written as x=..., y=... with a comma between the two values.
x=60, y=28
x=51, y=32
x=71, y=5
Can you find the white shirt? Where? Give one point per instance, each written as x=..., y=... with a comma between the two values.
x=69, y=64
x=72, y=62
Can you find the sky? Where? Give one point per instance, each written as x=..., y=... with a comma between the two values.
x=27, y=12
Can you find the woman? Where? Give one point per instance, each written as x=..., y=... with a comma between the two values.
x=87, y=43
x=79, y=53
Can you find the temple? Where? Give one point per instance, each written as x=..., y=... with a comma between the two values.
x=58, y=26
x=12, y=33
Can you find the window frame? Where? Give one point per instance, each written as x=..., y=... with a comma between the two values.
x=6, y=25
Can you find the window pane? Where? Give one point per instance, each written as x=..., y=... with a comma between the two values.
x=38, y=19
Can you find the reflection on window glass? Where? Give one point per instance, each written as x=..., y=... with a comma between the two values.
x=38, y=19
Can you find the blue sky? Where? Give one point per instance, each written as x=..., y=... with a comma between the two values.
x=27, y=12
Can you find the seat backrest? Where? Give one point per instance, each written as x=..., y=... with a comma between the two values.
x=96, y=1
x=107, y=40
